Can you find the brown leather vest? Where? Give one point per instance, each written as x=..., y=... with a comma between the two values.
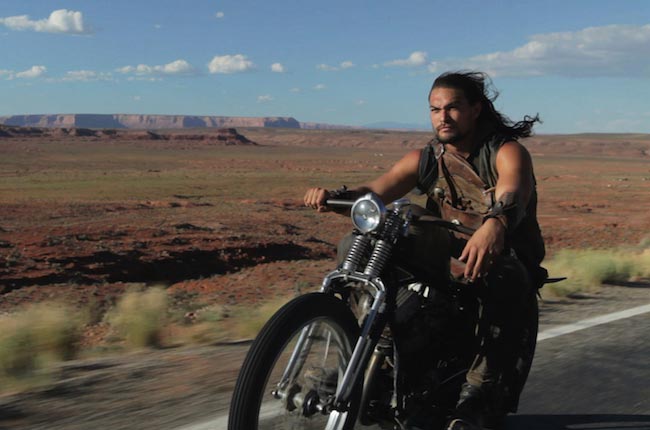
x=460, y=192
x=463, y=192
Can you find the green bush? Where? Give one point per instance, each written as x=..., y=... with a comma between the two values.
x=140, y=317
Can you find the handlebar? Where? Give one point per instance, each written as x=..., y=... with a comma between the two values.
x=418, y=214
x=339, y=203
x=421, y=214
x=444, y=223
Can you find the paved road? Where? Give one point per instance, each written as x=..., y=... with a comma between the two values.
x=596, y=378
x=591, y=374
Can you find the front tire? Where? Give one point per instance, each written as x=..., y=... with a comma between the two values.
x=259, y=403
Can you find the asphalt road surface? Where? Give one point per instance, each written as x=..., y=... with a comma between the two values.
x=591, y=374
x=596, y=378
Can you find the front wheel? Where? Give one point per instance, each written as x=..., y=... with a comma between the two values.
x=291, y=372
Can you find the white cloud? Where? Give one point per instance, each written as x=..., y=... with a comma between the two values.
x=319, y=87
x=326, y=68
x=295, y=90
x=31, y=73
x=86, y=76
x=178, y=67
x=144, y=78
x=416, y=59
x=613, y=50
x=342, y=66
x=219, y=15
x=227, y=64
x=59, y=21
x=278, y=68
x=360, y=102
x=265, y=98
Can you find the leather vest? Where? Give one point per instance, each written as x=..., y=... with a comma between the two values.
x=463, y=191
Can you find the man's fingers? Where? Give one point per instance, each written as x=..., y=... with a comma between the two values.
x=469, y=264
x=479, y=268
x=310, y=197
x=315, y=198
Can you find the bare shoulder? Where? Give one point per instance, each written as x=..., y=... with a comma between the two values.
x=513, y=152
x=411, y=160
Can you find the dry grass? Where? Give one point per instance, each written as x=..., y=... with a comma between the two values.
x=35, y=337
x=587, y=269
x=140, y=318
x=247, y=322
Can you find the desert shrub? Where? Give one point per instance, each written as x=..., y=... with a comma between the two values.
x=589, y=268
x=247, y=321
x=203, y=326
x=140, y=317
x=201, y=333
x=37, y=335
x=212, y=314
x=641, y=264
x=644, y=243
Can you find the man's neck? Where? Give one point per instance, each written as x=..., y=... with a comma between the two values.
x=465, y=147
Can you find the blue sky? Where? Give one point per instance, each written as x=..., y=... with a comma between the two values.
x=583, y=65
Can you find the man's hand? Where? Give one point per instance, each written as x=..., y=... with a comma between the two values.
x=316, y=198
x=483, y=248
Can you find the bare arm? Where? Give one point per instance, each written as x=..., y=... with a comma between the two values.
x=392, y=185
x=515, y=181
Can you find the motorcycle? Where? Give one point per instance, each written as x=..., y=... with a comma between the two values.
x=382, y=344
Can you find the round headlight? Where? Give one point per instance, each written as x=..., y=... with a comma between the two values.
x=368, y=213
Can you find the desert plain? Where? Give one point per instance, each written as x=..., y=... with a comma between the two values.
x=84, y=217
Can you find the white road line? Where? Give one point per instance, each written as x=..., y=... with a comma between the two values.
x=591, y=322
x=221, y=421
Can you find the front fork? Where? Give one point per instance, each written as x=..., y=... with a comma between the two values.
x=370, y=333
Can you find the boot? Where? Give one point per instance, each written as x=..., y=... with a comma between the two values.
x=469, y=409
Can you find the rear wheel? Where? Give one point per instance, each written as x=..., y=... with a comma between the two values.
x=271, y=393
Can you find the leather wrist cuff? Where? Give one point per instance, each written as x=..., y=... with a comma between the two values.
x=502, y=218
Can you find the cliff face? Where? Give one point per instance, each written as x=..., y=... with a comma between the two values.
x=145, y=121
x=217, y=136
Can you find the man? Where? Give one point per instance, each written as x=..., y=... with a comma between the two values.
x=476, y=172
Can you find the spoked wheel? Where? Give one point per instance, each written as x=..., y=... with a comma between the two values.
x=291, y=373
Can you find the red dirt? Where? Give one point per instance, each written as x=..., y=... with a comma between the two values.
x=239, y=243
x=90, y=251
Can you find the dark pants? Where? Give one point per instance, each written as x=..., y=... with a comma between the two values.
x=507, y=331
x=507, y=321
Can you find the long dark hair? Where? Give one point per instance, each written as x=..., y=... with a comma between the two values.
x=478, y=87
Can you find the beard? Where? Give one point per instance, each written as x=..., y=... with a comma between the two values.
x=453, y=137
